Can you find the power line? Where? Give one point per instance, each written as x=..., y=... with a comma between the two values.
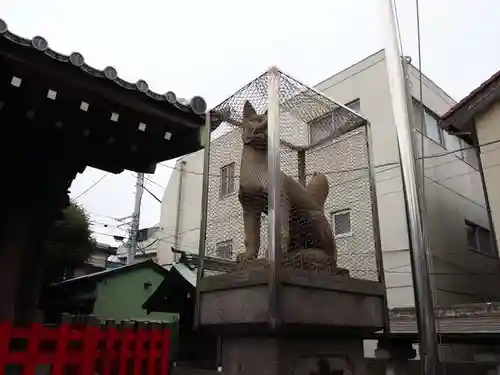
x=348, y=170
x=154, y=182
x=93, y=222
x=154, y=196
x=92, y=186
x=109, y=235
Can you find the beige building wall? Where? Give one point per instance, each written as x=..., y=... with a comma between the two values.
x=453, y=190
x=488, y=131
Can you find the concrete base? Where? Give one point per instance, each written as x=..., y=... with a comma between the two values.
x=307, y=299
x=396, y=353
x=267, y=355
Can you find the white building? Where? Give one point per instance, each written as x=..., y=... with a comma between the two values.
x=453, y=190
x=148, y=243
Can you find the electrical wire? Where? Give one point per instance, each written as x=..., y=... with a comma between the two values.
x=108, y=234
x=154, y=196
x=92, y=186
x=431, y=181
x=154, y=182
x=395, y=164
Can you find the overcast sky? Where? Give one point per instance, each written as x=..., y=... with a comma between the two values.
x=211, y=48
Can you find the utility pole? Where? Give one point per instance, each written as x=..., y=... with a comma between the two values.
x=134, y=227
x=423, y=294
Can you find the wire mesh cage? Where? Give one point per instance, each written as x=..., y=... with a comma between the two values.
x=318, y=168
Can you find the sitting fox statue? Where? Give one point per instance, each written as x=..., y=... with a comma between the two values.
x=304, y=225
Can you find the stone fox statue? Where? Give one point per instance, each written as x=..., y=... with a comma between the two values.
x=301, y=208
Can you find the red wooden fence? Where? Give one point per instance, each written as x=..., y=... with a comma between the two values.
x=86, y=348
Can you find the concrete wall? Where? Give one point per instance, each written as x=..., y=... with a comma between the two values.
x=488, y=130
x=367, y=81
x=453, y=190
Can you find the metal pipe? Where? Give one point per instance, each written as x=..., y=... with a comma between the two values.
x=273, y=161
x=419, y=167
x=205, y=141
x=273, y=190
x=423, y=296
x=179, y=200
x=376, y=226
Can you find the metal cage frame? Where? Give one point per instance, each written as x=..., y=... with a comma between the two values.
x=273, y=153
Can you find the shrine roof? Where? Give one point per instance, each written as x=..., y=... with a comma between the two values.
x=197, y=104
x=111, y=123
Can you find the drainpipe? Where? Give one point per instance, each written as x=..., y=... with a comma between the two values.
x=477, y=148
x=424, y=302
x=178, y=210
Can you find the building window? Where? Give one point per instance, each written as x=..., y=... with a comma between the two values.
x=453, y=143
x=479, y=239
x=224, y=249
x=432, y=130
x=227, y=180
x=470, y=154
x=431, y=127
x=355, y=105
x=341, y=221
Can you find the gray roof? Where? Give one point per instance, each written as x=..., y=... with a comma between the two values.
x=186, y=272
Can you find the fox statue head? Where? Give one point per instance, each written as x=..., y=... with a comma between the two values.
x=254, y=127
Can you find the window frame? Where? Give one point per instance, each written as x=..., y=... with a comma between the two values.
x=223, y=244
x=354, y=101
x=427, y=111
x=432, y=115
x=229, y=183
x=459, y=153
x=478, y=248
x=338, y=213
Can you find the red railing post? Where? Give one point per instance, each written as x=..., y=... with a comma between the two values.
x=165, y=352
x=127, y=339
x=155, y=338
x=31, y=357
x=139, y=347
x=61, y=345
x=91, y=338
x=5, y=337
x=110, y=355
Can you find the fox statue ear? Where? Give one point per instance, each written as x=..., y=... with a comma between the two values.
x=248, y=110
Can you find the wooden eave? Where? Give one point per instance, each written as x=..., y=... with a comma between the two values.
x=111, y=124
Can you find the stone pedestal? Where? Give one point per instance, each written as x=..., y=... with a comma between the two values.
x=271, y=355
x=396, y=353
x=315, y=324
x=492, y=358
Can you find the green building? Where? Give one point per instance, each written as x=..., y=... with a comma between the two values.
x=117, y=294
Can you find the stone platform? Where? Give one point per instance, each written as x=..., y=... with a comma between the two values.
x=306, y=298
x=307, y=322
x=266, y=355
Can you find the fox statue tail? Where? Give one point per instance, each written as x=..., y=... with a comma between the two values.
x=318, y=188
